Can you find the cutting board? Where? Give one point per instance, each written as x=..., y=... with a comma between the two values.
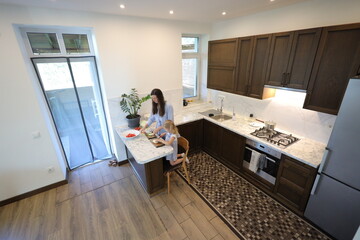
x=150, y=135
x=158, y=144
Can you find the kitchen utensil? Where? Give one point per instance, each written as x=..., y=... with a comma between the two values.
x=270, y=125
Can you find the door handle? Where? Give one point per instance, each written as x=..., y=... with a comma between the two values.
x=323, y=160
x=287, y=79
x=283, y=79
x=316, y=182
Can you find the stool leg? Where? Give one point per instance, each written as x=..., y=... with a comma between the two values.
x=186, y=173
x=168, y=181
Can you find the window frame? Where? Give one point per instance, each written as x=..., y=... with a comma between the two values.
x=59, y=31
x=197, y=56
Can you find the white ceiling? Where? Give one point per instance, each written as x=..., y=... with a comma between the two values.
x=185, y=10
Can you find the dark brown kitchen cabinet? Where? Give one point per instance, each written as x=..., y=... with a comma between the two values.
x=337, y=60
x=232, y=149
x=225, y=145
x=211, y=138
x=253, y=53
x=245, y=46
x=259, y=61
x=193, y=132
x=294, y=182
x=221, y=78
x=222, y=64
x=291, y=58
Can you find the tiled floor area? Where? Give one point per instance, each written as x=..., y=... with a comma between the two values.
x=254, y=214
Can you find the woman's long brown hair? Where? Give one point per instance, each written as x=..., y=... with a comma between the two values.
x=158, y=93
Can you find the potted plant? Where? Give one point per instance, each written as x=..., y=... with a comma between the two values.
x=130, y=104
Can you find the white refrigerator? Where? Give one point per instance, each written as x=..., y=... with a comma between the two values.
x=334, y=203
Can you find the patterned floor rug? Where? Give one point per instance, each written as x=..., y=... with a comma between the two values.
x=252, y=213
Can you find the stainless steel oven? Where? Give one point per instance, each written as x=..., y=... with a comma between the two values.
x=272, y=157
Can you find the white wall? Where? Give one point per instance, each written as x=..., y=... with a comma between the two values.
x=133, y=52
x=286, y=109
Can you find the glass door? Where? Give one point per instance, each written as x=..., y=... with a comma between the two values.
x=72, y=91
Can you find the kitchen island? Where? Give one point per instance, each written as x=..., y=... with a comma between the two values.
x=146, y=160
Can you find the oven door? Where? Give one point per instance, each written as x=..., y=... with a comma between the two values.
x=269, y=172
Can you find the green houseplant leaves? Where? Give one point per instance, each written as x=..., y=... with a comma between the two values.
x=131, y=103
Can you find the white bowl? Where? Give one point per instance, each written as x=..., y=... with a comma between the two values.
x=131, y=131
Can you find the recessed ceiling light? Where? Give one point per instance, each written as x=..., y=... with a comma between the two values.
x=171, y=12
x=223, y=13
x=122, y=6
x=272, y=0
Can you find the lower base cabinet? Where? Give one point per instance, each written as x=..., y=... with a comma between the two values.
x=294, y=179
x=232, y=148
x=193, y=132
x=294, y=183
x=225, y=145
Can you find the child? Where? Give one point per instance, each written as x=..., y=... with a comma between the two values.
x=171, y=137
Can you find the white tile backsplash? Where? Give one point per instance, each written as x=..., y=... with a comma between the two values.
x=286, y=109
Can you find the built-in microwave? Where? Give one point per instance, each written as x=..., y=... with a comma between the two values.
x=272, y=157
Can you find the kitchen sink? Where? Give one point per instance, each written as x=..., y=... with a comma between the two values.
x=210, y=112
x=221, y=117
x=216, y=115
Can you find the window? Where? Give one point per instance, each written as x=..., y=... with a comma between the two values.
x=55, y=42
x=65, y=64
x=190, y=66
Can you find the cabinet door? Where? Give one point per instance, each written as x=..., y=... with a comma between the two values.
x=211, y=138
x=223, y=52
x=279, y=58
x=221, y=78
x=232, y=149
x=303, y=51
x=337, y=59
x=243, y=65
x=259, y=62
x=193, y=132
x=294, y=182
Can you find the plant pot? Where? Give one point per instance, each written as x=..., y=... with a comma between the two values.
x=133, y=122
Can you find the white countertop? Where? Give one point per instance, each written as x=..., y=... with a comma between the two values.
x=141, y=148
x=305, y=150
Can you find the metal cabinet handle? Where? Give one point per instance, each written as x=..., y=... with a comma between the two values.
x=283, y=79
x=287, y=79
x=316, y=182
x=252, y=150
x=324, y=159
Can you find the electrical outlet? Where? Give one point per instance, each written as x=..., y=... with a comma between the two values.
x=221, y=97
x=36, y=134
x=51, y=169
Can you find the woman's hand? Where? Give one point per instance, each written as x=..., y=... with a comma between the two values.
x=142, y=130
x=156, y=130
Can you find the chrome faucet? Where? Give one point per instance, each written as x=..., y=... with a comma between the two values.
x=221, y=103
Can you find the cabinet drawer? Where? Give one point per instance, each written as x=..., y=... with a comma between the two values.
x=294, y=182
x=295, y=173
x=290, y=193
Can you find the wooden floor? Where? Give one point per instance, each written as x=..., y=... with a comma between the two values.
x=102, y=202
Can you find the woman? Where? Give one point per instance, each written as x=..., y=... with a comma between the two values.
x=161, y=111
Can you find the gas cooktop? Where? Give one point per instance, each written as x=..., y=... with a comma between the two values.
x=275, y=137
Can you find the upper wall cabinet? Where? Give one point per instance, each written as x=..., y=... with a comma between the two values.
x=253, y=54
x=244, y=64
x=292, y=56
x=259, y=61
x=222, y=64
x=337, y=60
